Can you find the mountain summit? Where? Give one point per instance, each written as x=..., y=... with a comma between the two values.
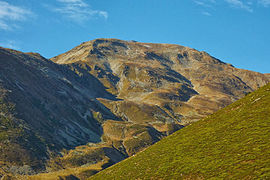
x=185, y=83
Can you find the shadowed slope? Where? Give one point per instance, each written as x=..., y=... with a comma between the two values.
x=45, y=107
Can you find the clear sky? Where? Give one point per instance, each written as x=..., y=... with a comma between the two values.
x=234, y=31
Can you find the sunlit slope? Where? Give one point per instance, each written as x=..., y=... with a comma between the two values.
x=232, y=143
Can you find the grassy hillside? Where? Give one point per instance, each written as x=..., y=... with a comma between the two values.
x=232, y=144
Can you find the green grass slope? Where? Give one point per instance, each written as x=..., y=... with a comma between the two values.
x=233, y=143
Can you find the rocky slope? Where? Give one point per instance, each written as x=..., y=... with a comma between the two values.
x=106, y=100
x=233, y=143
x=45, y=108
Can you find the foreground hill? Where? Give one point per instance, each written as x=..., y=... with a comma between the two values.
x=232, y=144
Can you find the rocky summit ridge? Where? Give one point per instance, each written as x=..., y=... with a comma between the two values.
x=164, y=75
x=105, y=100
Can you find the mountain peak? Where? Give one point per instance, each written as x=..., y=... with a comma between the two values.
x=129, y=49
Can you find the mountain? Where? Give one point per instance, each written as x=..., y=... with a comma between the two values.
x=184, y=83
x=230, y=144
x=106, y=100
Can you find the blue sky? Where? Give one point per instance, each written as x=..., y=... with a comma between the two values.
x=235, y=31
